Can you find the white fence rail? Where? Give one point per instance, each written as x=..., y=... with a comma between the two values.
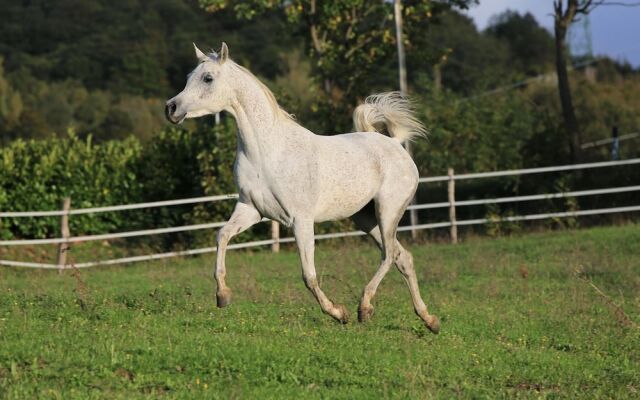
x=123, y=207
x=514, y=199
x=66, y=240
x=557, y=168
x=601, y=142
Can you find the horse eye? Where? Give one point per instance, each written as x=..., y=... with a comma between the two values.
x=208, y=78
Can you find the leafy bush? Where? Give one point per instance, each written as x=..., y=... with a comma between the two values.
x=474, y=135
x=179, y=164
x=174, y=164
x=38, y=175
x=509, y=131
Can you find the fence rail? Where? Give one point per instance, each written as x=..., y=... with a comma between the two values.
x=539, y=170
x=93, y=210
x=601, y=142
x=452, y=203
x=118, y=235
x=546, y=196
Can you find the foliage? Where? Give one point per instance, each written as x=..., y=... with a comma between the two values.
x=482, y=134
x=506, y=131
x=600, y=105
x=181, y=164
x=37, y=175
x=520, y=319
x=347, y=40
x=10, y=105
x=109, y=79
x=531, y=47
x=51, y=108
x=131, y=56
x=519, y=129
x=297, y=91
x=469, y=62
x=566, y=13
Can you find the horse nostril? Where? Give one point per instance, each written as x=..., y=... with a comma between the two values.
x=170, y=109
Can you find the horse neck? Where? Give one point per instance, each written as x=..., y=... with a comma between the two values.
x=261, y=128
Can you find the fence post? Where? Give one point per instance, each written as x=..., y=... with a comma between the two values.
x=65, y=233
x=275, y=236
x=452, y=207
x=615, y=144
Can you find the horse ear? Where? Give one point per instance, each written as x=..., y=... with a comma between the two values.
x=224, y=53
x=199, y=54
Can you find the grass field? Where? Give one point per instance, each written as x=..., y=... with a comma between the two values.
x=542, y=315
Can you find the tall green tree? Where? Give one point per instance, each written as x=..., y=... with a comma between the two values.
x=347, y=39
x=565, y=13
x=531, y=47
x=10, y=106
x=467, y=60
x=109, y=79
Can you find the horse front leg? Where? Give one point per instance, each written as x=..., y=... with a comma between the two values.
x=244, y=216
x=303, y=231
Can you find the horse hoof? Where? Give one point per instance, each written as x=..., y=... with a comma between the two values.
x=223, y=298
x=365, y=313
x=343, y=317
x=433, y=324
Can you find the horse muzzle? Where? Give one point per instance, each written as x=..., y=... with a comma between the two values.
x=170, y=112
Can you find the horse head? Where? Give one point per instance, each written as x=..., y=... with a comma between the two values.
x=207, y=90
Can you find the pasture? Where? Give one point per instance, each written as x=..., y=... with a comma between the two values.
x=542, y=315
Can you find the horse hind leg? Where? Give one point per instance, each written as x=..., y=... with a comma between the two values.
x=365, y=309
x=366, y=221
x=404, y=262
x=383, y=231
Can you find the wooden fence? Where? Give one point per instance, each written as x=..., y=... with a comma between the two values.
x=66, y=239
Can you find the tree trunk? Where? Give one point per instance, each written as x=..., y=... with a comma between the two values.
x=437, y=77
x=402, y=66
x=564, y=90
x=402, y=77
x=317, y=45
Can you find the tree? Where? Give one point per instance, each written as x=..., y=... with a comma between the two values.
x=530, y=45
x=10, y=105
x=347, y=39
x=469, y=61
x=565, y=13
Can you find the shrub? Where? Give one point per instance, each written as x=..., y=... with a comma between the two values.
x=37, y=175
x=174, y=164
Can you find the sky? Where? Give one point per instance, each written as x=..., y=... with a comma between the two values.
x=615, y=30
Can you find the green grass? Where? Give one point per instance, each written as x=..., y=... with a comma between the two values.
x=519, y=316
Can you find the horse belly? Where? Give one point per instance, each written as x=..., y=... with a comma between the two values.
x=341, y=208
x=346, y=186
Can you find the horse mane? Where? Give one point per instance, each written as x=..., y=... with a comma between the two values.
x=273, y=102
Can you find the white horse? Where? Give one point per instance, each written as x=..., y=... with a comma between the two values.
x=288, y=174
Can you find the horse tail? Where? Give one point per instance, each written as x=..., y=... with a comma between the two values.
x=390, y=113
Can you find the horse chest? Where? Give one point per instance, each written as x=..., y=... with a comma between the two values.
x=255, y=188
